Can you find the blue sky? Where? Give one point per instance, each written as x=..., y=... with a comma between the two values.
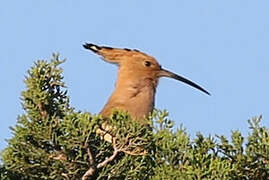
x=221, y=45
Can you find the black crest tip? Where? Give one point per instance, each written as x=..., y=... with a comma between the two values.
x=91, y=47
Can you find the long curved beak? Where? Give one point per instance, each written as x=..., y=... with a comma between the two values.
x=166, y=73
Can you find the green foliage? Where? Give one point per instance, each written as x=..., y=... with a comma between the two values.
x=53, y=141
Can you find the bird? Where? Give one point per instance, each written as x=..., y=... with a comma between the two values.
x=137, y=79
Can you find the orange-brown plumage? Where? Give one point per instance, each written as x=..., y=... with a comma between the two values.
x=137, y=80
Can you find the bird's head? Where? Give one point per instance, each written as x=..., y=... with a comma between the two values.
x=136, y=64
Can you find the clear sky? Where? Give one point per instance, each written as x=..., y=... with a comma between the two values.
x=221, y=45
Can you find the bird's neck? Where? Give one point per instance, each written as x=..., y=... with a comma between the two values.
x=134, y=95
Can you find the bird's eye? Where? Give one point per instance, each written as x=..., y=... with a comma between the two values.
x=147, y=63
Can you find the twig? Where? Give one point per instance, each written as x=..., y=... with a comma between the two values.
x=117, y=148
x=93, y=167
x=111, y=158
x=88, y=173
x=135, y=153
x=65, y=175
x=91, y=159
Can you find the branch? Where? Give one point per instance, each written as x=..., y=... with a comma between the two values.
x=128, y=146
x=93, y=167
x=91, y=159
x=132, y=147
x=65, y=175
x=111, y=158
x=88, y=173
